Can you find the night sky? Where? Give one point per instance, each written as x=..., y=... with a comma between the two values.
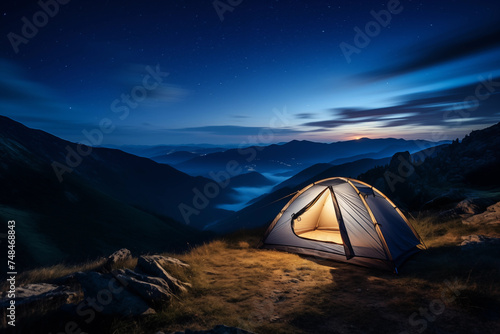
x=254, y=71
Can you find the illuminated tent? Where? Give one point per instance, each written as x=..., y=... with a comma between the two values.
x=345, y=220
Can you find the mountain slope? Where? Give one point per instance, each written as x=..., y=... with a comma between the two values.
x=252, y=179
x=111, y=199
x=323, y=171
x=134, y=180
x=455, y=171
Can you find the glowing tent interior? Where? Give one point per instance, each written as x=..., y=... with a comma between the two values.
x=345, y=220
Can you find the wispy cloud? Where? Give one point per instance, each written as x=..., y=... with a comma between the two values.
x=441, y=49
x=306, y=115
x=233, y=130
x=32, y=103
x=436, y=108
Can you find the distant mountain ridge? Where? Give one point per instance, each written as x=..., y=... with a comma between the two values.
x=298, y=155
x=150, y=151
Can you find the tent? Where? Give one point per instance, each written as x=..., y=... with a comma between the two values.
x=346, y=220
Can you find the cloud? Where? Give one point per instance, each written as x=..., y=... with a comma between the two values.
x=168, y=93
x=233, y=130
x=305, y=115
x=32, y=103
x=444, y=48
x=443, y=108
x=15, y=88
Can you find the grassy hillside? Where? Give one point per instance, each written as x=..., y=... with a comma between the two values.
x=268, y=291
x=77, y=222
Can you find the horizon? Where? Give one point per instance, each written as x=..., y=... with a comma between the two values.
x=252, y=73
x=235, y=145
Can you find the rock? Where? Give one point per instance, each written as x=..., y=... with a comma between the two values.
x=165, y=260
x=118, y=256
x=219, y=329
x=172, y=260
x=468, y=206
x=490, y=216
x=146, y=287
x=150, y=279
x=478, y=240
x=111, y=296
x=275, y=318
x=41, y=293
x=150, y=266
x=68, y=280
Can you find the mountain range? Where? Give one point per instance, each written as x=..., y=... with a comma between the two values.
x=434, y=178
x=297, y=155
x=72, y=202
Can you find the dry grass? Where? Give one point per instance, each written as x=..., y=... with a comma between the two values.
x=441, y=232
x=48, y=274
x=238, y=285
x=266, y=291
x=274, y=292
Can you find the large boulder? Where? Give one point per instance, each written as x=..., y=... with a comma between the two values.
x=165, y=260
x=153, y=290
x=118, y=256
x=468, y=206
x=150, y=279
x=110, y=295
x=151, y=265
x=490, y=216
x=41, y=293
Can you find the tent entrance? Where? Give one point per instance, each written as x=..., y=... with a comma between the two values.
x=318, y=220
